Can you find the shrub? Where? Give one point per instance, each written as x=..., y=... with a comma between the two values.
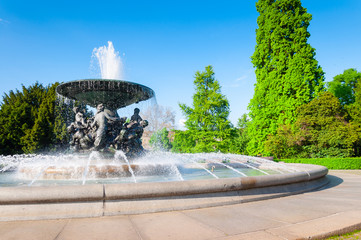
x=160, y=141
x=196, y=141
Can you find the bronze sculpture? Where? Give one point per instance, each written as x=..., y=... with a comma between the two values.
x=106, y=129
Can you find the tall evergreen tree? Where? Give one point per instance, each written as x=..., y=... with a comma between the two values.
x=34, y=120
x=209, y=129
x=288, y=75
x=210, y=107
x=41, y=136
x=18, y=112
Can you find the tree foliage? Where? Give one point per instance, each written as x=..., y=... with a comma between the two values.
x=285, y=143
x=354, y=112
x=209, y=129
x=321, y=130
x=196, y=141
x=354, y=109
x=18, y=116
x=288, y=75
x=210, y=107
x=34, y=120
x=343, y=86
x=243, y=137
x=160, y=140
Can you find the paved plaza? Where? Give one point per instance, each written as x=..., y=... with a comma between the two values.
x=333, y=209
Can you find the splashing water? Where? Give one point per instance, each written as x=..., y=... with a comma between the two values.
x=177, y=172
x=93, y=156
x=122, y=155
x=96, y=167
x=109, y=61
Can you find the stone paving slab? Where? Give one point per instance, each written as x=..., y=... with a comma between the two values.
x=50, y=211
x=99, y=228
x=334, y=209
x=232, y=220
x=253, y=236
x=32, y=230
x=321, y=227
x=173, y=225
x=284, y=211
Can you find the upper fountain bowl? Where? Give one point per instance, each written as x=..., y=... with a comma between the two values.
x=113, y=94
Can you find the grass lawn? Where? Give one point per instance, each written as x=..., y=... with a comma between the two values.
x=330, y=163
x=352, y=235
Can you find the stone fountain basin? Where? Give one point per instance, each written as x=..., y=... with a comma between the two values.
x=49, y=202
x=114, y=94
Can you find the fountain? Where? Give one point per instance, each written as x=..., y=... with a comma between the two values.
x=107, y=128
x=109, y=172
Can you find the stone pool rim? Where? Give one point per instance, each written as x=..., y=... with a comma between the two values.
x=121, y=191
x=97, y=200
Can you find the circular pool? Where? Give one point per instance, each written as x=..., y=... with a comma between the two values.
x=65, y=186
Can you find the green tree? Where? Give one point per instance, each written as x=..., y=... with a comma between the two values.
x=17, y=117
x=354, y=111
x=321, y=130
x=243, y=138
x=343, y=86
x=210, y=107
x=31, y=120
x=184, y=141
x=209, y=129
x=285, y=144
x=197, y=141
x=160, y=140
x=41, y=134
x=288, y=75
x=325, y=129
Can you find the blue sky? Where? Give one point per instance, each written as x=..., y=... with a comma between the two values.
x=162, y=43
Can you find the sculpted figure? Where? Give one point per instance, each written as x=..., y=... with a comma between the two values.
x=129, y=138
x=105, y=129
x=86, y=142
x=136, y=140
x=100, y=126
x=78, y=127
x=136, y=117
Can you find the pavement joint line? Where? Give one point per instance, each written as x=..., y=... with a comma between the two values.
x=135, y=227
x=103, y=207
x=342, y=230
x=62, y=229
x=271, y=219
x=268, y=218
x=203, y=223
x=277, y=235
x=310, y=220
